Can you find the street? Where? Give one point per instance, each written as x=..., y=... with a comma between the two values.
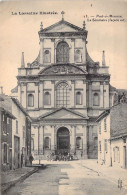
x=61, y=178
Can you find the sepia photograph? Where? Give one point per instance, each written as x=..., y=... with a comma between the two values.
x=63, y=97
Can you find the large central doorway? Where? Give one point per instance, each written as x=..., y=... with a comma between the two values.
x=63, y=140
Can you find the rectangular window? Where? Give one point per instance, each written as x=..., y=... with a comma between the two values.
x=100, y=146
x=8, y=120
x=100, y=128
x=5, y=154
x=16, y=126
x=105, y=124
x=105, y=145
x=3, y=117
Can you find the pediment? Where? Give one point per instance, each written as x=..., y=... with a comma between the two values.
x=62, y=26
x=63, y=113
x=60, y=69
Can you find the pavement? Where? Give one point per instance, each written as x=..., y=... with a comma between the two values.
x=111, y=173
x=11, y=177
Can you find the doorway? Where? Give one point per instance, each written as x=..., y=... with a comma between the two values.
x=63, y=140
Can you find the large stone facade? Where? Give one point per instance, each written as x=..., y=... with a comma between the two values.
x=64, y=91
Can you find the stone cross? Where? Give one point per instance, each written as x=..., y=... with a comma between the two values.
x=62, y=13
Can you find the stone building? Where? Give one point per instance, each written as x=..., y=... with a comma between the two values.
x=112, y=135
x=64, y=90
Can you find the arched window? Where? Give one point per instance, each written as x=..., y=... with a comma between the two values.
x=62, y=52
x=62, y=95
x=78, y=142
x=30, y=100
x=78, y=56
x=47, y=56
x=78, y=98
x=96, y=99
x=47, y=98
x=47, y=143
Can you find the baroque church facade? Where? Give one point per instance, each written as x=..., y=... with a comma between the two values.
x=64, y=91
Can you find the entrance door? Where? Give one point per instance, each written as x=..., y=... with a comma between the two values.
x=63, y=140
x=62, y=53
x=17, y=152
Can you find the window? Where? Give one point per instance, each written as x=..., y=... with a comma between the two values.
x=62, y=52
x=47, y=98
x=78, y=143
x=47, y=143
x=3, y=117
x=47, y=56
x=105, y=124
x=78, y=98
x=100, y=146
x=96, y=99
x=16, y=126
x=100, y=128
x=116, y=154
x=5, y=154
x=105, y=145
x=32, y=143
x=62, y=95
x=8, y=120
x=24, y=135
x=78, y=56
x=30, y=100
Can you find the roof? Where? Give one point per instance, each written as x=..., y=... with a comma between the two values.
x=20, y=106
x=9, y=114
x=103, y=115
x=15, y=90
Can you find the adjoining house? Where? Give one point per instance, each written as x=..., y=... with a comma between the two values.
x=112, y=135
x=16, y=134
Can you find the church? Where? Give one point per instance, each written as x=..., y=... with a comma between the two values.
x=64, y=91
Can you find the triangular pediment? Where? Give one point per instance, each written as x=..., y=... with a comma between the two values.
x=62, y=26
x=63, y=113
x=60, y=69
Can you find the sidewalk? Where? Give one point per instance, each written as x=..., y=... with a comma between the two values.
x=10, y=178
x=112, y=173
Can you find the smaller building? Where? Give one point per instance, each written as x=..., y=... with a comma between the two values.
x=112, y=135
x=6, y=118
x=16, y=134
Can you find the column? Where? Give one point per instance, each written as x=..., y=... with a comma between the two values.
x=106, y=95
x=84, y=51
x=53, y=139
x=36, y=100
x=72, y=52
x=73, y=146
x=53, y=94
x=85, y=141
x=84, y=93
x=41, y=50
x=41, y=139
x=90, y=94
x=24, y=95
x=72, y=98
x=41, y=94
x=101, y=96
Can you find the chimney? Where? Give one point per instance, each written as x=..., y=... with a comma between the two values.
x=22, y=61
x=1, y=90
x=103, y=58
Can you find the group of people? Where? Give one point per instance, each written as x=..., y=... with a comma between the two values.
x=60, y=156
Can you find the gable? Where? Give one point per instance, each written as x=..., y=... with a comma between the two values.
x=62, y=69
x=62, y=114
x=62, y=26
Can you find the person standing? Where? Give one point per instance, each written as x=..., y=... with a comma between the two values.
x=31, y=159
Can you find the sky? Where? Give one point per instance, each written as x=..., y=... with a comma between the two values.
x=19, y=33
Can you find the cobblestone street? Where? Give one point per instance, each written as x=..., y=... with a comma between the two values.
x=60, y=178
